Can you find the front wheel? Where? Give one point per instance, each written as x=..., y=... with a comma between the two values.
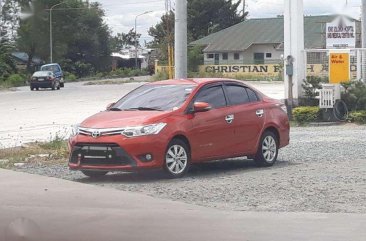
x=267, y=150
x=177, y=159
x=94, y=174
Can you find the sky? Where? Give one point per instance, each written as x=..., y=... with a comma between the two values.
x=120, y=14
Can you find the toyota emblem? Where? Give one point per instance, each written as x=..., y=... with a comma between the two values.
x=95, y=134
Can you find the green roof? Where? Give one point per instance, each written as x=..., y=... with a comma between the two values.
x=265, y=31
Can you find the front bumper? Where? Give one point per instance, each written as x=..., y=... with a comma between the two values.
x=116, y=153
x=41, y=84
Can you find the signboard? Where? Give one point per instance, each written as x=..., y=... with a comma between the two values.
x=339, y=68
x=341, y=33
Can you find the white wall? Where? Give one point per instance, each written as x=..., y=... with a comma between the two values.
x=247, y=57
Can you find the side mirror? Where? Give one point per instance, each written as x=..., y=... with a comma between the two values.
x=201, y=107
x=110, y=105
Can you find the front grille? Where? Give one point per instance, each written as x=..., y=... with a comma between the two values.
x=100, y=132
x=100, y=155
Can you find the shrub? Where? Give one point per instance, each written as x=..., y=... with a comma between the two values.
x=15, y=80
x=358, y=117
x=355, y=95
x=311, y=85
x=160, y=76
x=305, y=114
x=69, y=77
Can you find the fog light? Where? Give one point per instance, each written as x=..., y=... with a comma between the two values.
x=146, y=157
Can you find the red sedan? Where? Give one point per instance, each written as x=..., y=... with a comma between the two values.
x=175, y=123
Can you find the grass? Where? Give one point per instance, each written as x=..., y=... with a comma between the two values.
x=46, y=153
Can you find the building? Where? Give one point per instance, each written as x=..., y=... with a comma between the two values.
x=126, y=58
x=260, y=41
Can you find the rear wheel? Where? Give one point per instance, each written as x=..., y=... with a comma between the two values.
x=267, y=150
x=94, y=174
x=31, y=88
x=62, y=85
x=177, y=159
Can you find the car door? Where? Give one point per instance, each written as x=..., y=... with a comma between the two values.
x=248, y=114
x=210, y=136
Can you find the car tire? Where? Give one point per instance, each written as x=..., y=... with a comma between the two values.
x=94, y=174
x=37, y=88
x=177, y=159
x=267, y=150
x=31, y=88
x=62, y=85
x=58, y=86
x=53, y=86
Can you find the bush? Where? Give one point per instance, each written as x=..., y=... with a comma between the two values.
x=358, y=117
x=69, y=77
x=355, y=95
x=160, y=76
x=15, y=80
x=305, y=114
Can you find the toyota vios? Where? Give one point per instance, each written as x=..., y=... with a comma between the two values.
x=175, y=123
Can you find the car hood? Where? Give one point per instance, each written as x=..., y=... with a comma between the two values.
x=115, y=119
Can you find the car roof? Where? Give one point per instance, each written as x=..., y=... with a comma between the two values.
x=49, y=64
x=191, y=81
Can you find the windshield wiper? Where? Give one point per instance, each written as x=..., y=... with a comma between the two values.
x=144, y=108
x=114, y=109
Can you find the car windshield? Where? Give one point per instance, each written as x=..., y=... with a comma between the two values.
x=49, y=68
x=154, y=97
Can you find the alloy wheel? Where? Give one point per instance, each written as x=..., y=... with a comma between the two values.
x=176, y=159
x=269, y=149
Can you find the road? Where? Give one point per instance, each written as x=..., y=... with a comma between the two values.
x=28, y=116
x=43, y=209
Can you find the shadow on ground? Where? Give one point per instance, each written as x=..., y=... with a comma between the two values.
x=203, y=170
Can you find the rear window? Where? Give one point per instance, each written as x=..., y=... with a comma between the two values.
x=237, y=95
x=252, y=95
x=42, y=73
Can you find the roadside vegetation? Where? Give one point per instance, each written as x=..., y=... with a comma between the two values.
x=41, y=153
x=353, y=94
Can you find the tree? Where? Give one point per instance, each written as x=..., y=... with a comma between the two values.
x=7, y=64
x=208, y=16
x=204, y=17
x=123, y=40
x=9, y=19
x=79, y=33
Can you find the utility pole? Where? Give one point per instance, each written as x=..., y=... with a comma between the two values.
x=181, y=39
x=244, y=9
x=363, y=40
x=1, y=19
x=294, y=50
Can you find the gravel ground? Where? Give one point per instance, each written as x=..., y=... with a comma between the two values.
x=323, y=170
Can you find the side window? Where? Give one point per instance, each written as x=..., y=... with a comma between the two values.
x=213, y=96
x=252, y=95
x=237, y=95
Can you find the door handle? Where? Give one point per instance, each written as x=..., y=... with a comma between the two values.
x=260, y=113
x=229, y=119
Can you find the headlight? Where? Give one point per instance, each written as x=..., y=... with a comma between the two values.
x=75, y=130
x=143, y=130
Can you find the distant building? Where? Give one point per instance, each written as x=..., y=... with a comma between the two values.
x=260, y=41
x=126, y=58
